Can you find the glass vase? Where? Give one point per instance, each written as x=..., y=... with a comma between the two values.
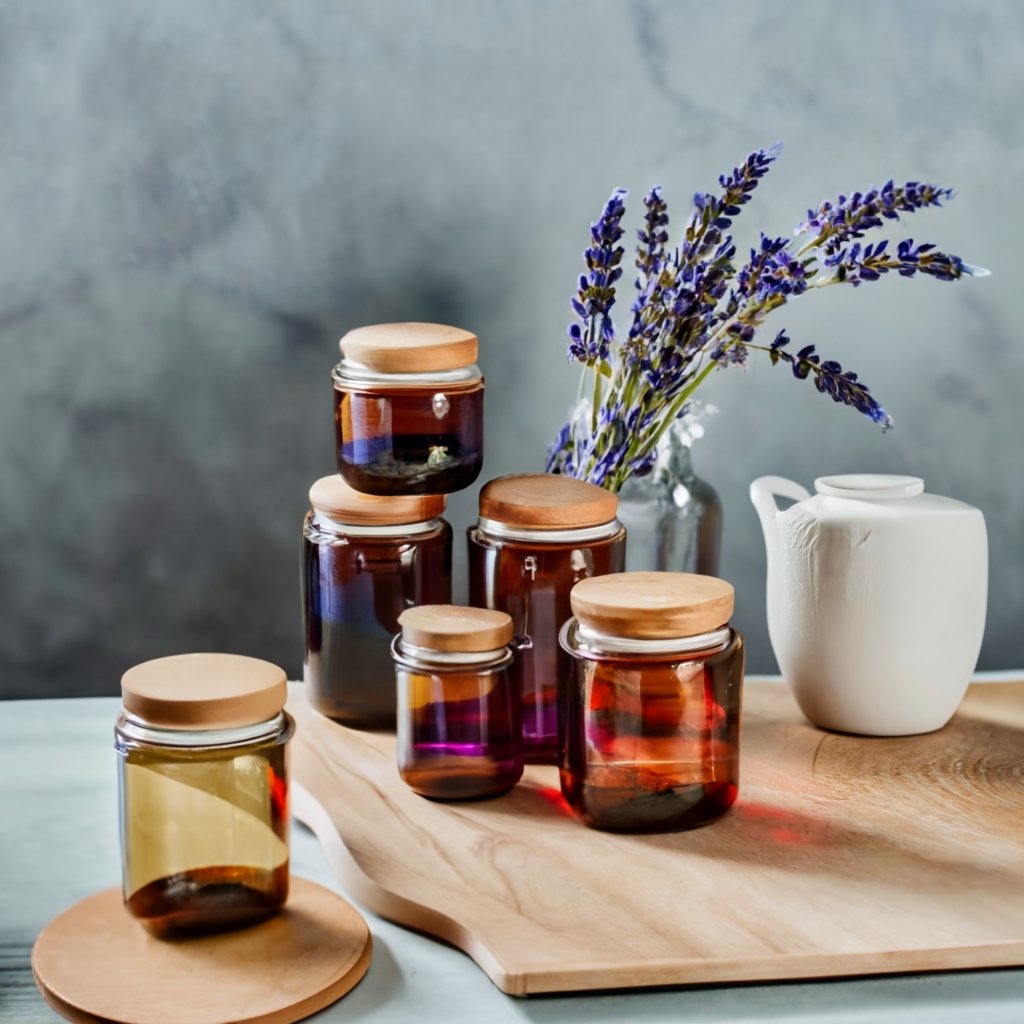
x=673, y=518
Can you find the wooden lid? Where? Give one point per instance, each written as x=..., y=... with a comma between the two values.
x=332, y=496
x=410, y=347
x=95, y=962
x=450, y=627
x=541, y=501
x=204, y=691
x=652, y=605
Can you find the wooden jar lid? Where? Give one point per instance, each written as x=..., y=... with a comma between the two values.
x=332, y=496
x=652, y=605
x=541, y=501
x=204, y=691
x=410, y=347
x=95, y=962
x=450, y=627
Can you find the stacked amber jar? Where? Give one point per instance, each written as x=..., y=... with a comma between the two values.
x=638, y=707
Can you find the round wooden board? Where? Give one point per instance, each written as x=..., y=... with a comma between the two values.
x=95, y=962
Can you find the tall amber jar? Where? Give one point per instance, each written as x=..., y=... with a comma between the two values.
x=409, y=409
x=365, y=559
x=652, y=712
x=536, y=538
x=203, y=783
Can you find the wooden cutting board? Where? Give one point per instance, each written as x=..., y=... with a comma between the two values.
x=843, y=856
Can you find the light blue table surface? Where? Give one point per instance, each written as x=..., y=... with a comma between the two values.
x=59, y=843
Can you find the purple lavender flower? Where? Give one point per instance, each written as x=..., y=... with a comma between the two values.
x=694, y=311
x=855, y=265
x=851, y=216
x=782, y=274
x=711, y=215
x=591, y=338
x=830, y=379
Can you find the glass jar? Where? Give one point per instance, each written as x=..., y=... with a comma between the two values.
x=365, y=559
x=409, y=409
x=537, y=536
x=203, y=785
x=458, y=719
x=652, y=714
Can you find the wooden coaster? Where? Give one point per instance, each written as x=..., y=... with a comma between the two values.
x=95, y=963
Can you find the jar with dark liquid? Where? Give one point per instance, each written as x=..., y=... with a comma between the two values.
x=537, y=536
x=409, y=409
x=652, y=714
x=458, y=717
x=203, y=783
x=365, y=559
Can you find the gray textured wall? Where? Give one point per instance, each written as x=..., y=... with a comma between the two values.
x=198, y=198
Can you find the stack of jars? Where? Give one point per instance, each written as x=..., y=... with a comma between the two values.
x=642, y=724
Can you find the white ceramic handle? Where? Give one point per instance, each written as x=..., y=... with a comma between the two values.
x=763, y=492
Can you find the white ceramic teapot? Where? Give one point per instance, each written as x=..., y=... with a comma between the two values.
x=876, y=599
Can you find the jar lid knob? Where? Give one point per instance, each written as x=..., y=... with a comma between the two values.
x=877, y=486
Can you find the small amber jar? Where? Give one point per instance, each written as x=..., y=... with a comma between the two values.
x=203, y=782
x=458, y=719
x=652, y=715
x=409, y=409
x=537, y=536
x=365, y=559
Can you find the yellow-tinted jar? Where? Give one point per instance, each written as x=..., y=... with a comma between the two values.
x=203, y=784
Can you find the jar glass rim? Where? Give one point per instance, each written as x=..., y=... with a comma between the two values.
x=323, y=523
x=577, y=639
x=136, y=730
x=549, y=535
x=348, y=372
x=410, y=656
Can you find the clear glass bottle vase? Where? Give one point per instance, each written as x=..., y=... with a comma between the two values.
x=673, y=518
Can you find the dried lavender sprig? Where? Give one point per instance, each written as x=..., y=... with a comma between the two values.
x=830, y=378
x=591, y=338
x=849, y=217
x=711, y=215
x=650, y=260
x=856, y=264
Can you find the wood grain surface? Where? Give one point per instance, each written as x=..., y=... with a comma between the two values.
x=843, y=856
x=95, y=963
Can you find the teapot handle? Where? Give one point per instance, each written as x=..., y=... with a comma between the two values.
x=763, y=492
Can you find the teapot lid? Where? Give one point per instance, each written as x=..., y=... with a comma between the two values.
x=872, y=486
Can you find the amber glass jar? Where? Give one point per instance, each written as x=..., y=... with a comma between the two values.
x=537, y=537
x=652, y=715
x=458, y=719
x=203, y=782
x=365, y=559
x=409, y=409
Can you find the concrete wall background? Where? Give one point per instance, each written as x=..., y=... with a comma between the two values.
x=199, y=198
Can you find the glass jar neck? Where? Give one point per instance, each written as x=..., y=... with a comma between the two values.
x=582, y=641
x=410, y=656
x=575, y=535
x=349, y=374
x=319, y=523
x=133, y=731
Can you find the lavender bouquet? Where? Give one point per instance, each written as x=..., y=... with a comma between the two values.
x=695, y=311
